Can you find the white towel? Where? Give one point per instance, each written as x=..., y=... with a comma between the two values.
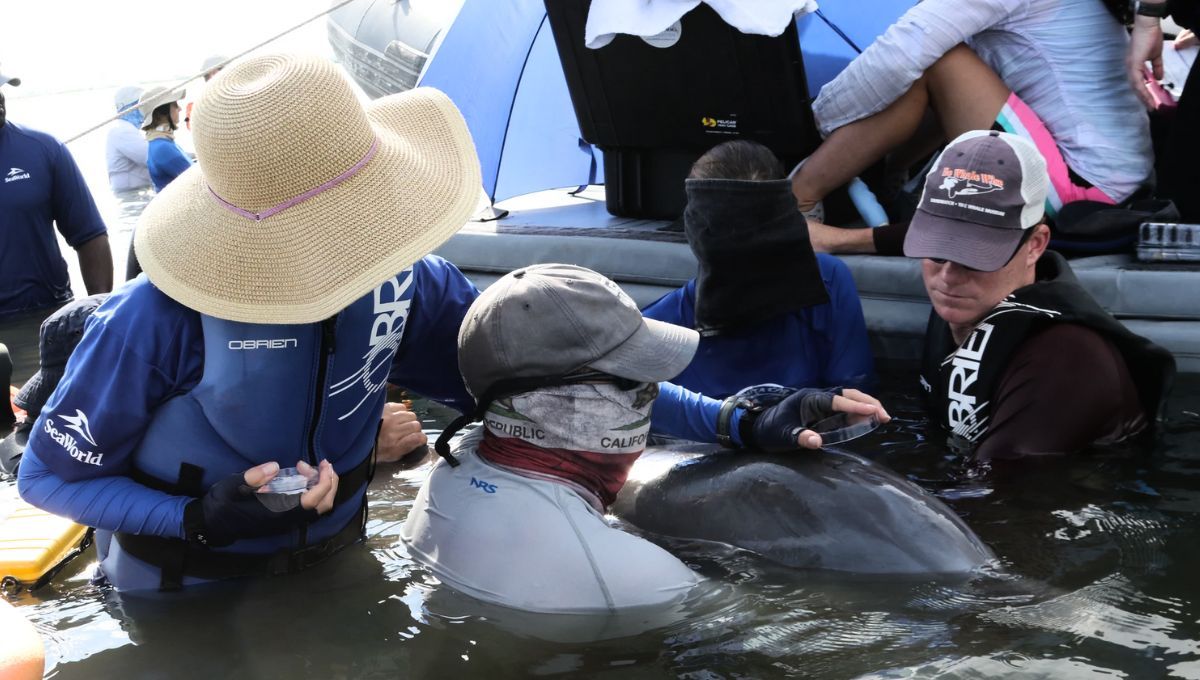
x=646, y=18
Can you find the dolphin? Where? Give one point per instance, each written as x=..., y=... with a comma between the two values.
x=824, y=510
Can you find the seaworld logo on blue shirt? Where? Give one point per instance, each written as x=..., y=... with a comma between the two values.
x=480, y=484
x=79, y=424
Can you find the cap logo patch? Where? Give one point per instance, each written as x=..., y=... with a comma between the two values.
x=960, y=182
x=961, y=185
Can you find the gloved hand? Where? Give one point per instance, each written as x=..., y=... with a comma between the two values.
x=778, y=427
x=783, y=427
x=233, y=509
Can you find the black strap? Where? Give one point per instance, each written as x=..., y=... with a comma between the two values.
x=724, y=422
x=190, y=482
x=177, y=558
x=188, y=559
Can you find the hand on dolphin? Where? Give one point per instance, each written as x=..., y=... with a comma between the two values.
x=783, y=427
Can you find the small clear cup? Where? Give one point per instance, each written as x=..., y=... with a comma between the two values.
x=289, y=481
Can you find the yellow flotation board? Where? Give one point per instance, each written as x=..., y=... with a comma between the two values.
x=34, y=543
x=22, y=656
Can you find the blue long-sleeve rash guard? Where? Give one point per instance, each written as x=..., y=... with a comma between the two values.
x=822, y=346
x=140, y=348
x=165, y=161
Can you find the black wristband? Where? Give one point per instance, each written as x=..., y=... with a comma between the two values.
x=889, y=239
x=1156, y=10
x=746, y=428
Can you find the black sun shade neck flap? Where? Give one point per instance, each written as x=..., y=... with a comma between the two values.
x=756, y=261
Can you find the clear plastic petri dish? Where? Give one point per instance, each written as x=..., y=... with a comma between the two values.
x=842, y=427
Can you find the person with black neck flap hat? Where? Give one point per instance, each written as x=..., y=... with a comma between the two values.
x=1019, y=360
x=768, y=310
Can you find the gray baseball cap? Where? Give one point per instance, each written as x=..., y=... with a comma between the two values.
x=983, y=192
x=555, y=319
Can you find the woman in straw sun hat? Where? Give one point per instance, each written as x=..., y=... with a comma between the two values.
x=286, y=283
x=284, y=287
x=160, y=111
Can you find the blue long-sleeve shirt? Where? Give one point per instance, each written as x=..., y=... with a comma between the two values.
x=166, y=161
x=821, y=346
x=140, y=348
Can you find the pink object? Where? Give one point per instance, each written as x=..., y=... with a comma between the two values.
x=1016, y=117
x=1162, y=98
x=264, y=214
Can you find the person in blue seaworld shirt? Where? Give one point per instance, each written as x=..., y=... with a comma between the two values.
x=41, y=188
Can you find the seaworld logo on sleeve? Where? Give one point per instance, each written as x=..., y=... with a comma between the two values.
x=78, y=423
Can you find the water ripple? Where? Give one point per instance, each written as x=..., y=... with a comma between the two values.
x=1101, y=611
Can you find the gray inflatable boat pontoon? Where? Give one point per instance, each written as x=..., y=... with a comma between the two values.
x=1158, y=301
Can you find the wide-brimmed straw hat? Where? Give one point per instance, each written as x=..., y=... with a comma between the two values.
x=303, y=200
x=155, y=97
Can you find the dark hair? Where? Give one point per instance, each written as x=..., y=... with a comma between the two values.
x=738, y=159
x=163, y=110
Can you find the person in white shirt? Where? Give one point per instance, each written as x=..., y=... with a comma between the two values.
x=125, y=151
x=1048, y=70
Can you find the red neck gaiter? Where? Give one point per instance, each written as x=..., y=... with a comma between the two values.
x=585, y=435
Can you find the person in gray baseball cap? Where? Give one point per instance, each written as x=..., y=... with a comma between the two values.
x=565, y=371
x=1019, y=359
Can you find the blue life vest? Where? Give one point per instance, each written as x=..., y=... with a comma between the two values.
x=281, y=393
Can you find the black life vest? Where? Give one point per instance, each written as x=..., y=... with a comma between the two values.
x=960, y=380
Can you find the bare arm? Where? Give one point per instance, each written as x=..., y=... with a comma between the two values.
x=96, y=264
x=827, y=239
x=1145, y=45
x=889, y=66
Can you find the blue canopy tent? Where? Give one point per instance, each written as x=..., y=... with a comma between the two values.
x=499, y=64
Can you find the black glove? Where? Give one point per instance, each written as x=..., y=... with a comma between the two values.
x=777, y=427
x=233, y=510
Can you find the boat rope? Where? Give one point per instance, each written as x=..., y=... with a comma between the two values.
x=839, y=31
x=223, y=64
